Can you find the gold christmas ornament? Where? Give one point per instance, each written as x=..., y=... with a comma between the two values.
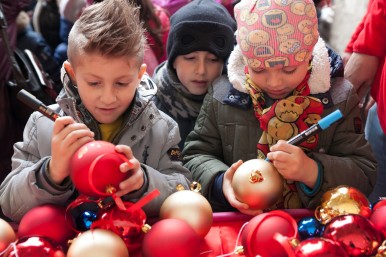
x=97, y=242
x=191, y=207
x=7, y=235
x=257, y=183
x=342, y=200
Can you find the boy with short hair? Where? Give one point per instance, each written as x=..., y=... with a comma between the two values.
x=100, y=101
x=279, y=85
x=200, y=41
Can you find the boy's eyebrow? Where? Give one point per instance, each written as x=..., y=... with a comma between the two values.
x=127, y=76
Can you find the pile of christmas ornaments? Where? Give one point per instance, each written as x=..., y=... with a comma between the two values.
x=344, y=224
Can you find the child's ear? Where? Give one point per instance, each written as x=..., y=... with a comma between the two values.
x=69, y=70
x=142, y=71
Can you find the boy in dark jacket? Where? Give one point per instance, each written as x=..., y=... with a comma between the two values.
x=280, y=66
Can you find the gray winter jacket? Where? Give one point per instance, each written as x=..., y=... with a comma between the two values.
x=152, y=136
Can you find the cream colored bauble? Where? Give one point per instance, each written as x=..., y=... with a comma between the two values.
x=97, y=243
x=257, y=183
x=7, y=235
x=191, y=207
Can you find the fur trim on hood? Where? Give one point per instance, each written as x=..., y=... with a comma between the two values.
x=319, y=81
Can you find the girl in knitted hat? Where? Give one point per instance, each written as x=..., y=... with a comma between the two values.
x=200, y=41
x=281, y=80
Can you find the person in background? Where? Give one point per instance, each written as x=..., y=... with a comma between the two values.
x=11, y=130
x=101, y=100
x=200, y=41
x=366, y=70
x=171, y=6
x=27, y=38
x=69, y=11
x=280, y=66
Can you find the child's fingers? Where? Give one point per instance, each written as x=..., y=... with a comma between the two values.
x=61, y=123
x=126, y=150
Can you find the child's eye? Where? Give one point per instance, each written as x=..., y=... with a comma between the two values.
x=122, y=84
x=289, y=71
x=93, y=84
x=189, y=58
x=214, y=59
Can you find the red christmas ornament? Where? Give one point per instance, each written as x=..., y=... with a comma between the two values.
x=171, y=237
x=46, y=221
x=318, y=246
x=257, y=183
x=7, y=235
x=95, y=169
x=355, y=233
x=258, y=235
x=35, y=247
x=311, y=247
x=379, y=220
x=129, y=225
x=379, y=204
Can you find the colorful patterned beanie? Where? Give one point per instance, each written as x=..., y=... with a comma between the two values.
x=276, y=32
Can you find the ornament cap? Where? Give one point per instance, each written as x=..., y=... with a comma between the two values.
x=195, y=186
x=146, y=228
x=256, y=176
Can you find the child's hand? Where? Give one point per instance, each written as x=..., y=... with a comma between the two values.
x=135, y=178
x=293, y=164
x=67, y=137
x=230, y=194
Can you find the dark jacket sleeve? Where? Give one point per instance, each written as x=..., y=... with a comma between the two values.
x=344, y=153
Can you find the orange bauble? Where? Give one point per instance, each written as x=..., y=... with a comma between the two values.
x=7, y=235
x=191, y=207
x=97, y=242
x=257, y=183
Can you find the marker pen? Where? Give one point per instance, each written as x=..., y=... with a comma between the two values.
x=321, y=125
x=316, y=128
x=34, y=103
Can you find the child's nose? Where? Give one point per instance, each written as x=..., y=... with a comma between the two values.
x=274, y=81
x=200, y=67
x=109, y=96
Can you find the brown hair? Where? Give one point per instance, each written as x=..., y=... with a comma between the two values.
x=110, y=28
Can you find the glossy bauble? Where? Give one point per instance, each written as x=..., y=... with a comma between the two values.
x=35, y=247
x=258, y=235
x=340, y=201
x=257, y=183
x=46, y=221
x=82, y=212
x=191, y=207
x=355, y=233
x=320, y=247
x=309, y=227
x=128, y=225
x=379, y=203
x=7, y=235
x=171, y=237
x=97, y=243
x=94, y=169
x=378, y=218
